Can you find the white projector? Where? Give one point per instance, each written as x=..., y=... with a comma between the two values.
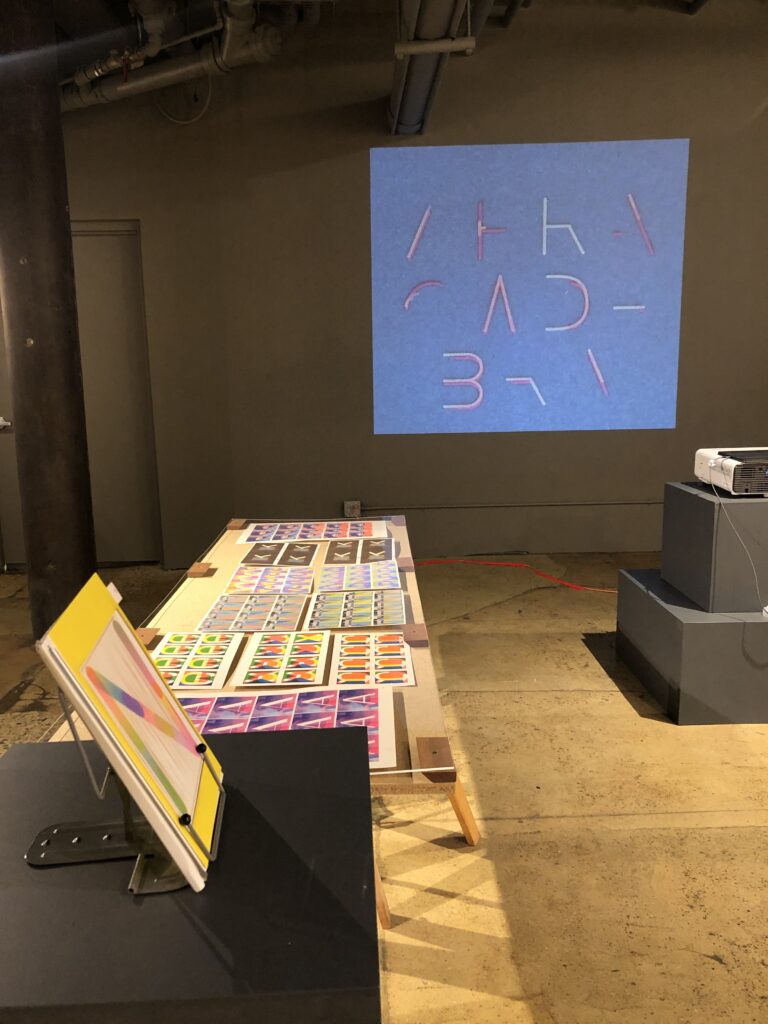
x=736, y=470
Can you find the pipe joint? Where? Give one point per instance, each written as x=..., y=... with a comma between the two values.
x=254, y=45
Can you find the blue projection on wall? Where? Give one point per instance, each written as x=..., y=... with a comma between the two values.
x=527, y=287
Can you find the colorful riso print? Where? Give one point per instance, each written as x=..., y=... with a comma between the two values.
x=294, y=553
x=270, y=579
x=323, y=530
x=371, y=659
x=370, y=576
x=333, y=610
x=250, y=613
x=191, y=660
x=351, y=552
x=301, y=709
x=283, y=659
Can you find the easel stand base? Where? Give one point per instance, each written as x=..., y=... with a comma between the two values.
x=88, y=843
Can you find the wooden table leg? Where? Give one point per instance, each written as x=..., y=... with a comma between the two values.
x=382, y=907
x=464, y=813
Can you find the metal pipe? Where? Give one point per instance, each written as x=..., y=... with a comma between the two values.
x=513, y=7
x=417, y=78
x=147, y=79
x=480, y=11
x=463, y=44
x=131, y=59
x=241, y=43
x=154, y=15
x=37, y=296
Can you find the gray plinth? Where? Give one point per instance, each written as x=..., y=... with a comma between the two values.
x=701, y=554
x=283, y=933
x=704, y=668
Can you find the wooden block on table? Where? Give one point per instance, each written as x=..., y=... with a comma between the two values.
x=415, y=633
x=397, y=520
x=435, y=752
x=237, y=524
x=405, y=563
x=199, y=570
x=147, y=635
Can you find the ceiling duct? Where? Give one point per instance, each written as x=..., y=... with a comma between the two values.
x=428, y=35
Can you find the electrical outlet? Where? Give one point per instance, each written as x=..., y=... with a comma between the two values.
x=352, y=509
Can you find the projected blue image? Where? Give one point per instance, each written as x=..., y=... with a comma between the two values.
x=528, y=287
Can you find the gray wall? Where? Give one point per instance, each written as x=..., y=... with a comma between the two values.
x=255, y=235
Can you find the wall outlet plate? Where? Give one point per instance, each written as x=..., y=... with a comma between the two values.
x=352, y=509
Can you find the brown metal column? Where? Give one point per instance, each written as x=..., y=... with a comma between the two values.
x=37, y=296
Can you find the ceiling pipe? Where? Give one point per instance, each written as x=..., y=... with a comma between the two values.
x=418, y=76
x=155, y=15
x=480, y=12
x=241, y=42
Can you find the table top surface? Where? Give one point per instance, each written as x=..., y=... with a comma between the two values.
x=287, y=915
x=418, y=711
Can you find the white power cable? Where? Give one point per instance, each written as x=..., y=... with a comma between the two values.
x=724, y=507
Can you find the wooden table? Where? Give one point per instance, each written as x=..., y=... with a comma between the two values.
x=424, y=759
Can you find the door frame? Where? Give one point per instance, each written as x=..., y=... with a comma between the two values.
x=132, y=227
x=123, y=227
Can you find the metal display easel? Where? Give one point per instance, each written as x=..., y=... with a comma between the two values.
x=91, y=842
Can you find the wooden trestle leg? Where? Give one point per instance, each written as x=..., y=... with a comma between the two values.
x=382, y=907
x=463, y=812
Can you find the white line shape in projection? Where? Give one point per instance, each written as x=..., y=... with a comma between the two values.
x=546, y=226
x=530, y=382
x=419, y=232
x=417, y=288
x=598, y=372
x=635, y=309
x=578, y=284
x=467, y=382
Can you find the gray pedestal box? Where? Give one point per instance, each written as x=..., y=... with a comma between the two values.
x=703, y=668
x=701, y=554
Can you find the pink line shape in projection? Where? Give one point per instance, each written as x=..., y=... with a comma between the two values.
x=419, y=232
x=466, y=382
x=585, y=295
x=483, y=230
x=530, y=382
x=499, y=290
x=598, y=373
x=418, y=288
x=641, y=226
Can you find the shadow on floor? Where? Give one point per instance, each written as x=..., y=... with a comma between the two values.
x=602, y=647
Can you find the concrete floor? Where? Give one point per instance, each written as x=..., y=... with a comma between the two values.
x=623, y=870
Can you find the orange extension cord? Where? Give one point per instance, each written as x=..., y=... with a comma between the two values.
x=515, y=565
